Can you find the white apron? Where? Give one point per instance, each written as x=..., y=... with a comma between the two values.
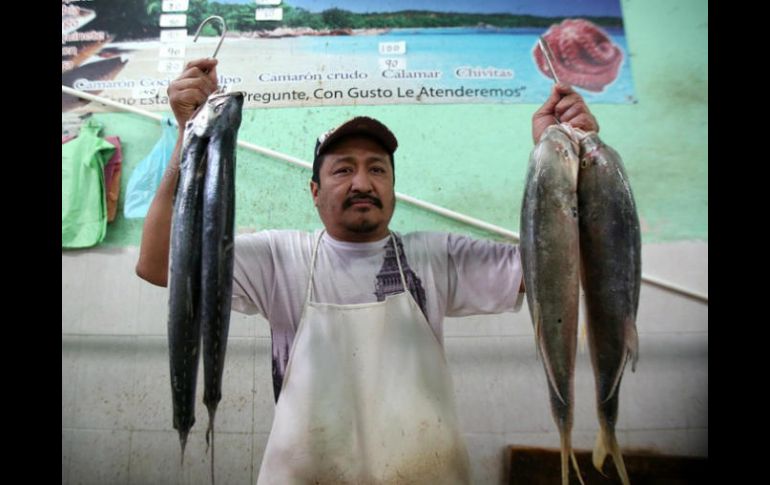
x=367, y=398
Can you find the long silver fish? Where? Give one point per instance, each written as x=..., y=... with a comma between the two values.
x=549, y=246
x=217, y=248
x=610, y=250
x=184, y=277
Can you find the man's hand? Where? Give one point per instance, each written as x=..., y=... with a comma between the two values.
x=191, y=89
x=566, y=106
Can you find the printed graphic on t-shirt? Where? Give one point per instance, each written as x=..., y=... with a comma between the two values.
x=388, y=280
x=281, y=349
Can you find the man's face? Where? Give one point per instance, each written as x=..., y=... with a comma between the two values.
x=355, y=198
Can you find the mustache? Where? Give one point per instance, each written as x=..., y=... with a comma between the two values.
x=353, y=199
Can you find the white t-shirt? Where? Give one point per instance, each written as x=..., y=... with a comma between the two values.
x=447, y=274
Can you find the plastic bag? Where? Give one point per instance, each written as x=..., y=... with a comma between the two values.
x=146, y=177
x=84, y=208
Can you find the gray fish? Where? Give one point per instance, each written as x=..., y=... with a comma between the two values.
x=184, y=277
x=610, y=250
x=549, y=246
x=217, y=248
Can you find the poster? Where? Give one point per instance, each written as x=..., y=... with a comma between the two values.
x=297, y=53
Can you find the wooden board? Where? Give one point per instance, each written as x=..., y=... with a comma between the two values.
x=541, y=466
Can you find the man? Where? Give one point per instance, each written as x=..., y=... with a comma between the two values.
x=355, y=310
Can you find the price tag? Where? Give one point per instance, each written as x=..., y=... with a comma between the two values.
x=264, y=14
x=171, y=66
x=141, y=92
x=392, y=63
x=171, y=50
x=393, y=48
x=173, y=35
x=175, y=5
x=173, y=20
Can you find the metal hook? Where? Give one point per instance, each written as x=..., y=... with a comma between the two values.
x=548, y=56
x=221, y=38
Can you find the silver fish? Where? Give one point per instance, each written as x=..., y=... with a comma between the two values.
x=217, y=248
x=610, y=250
x=549, y=246
x=184, y=277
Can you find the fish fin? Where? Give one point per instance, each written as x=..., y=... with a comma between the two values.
x=551, y=377
x=583, y=337
x=574, y=169
x=616, y=381
x=631, y=353
x=600, y=452
x=540, y=351
x=582, y=305
x=632, y=342
x=577, y=468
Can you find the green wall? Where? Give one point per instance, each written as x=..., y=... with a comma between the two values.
x=473, y=158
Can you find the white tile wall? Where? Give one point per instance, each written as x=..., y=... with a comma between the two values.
x=116, y=403
x=70, y=352
x=103, y=383
x=99, y=456
x=487, y=457
x=111, y=290
x=235, y=411
x=258, y=443
x=264, y=399
x=152, y=309
x=73, y=279
x=66, y=453
x=155, y=458
x=152, y=410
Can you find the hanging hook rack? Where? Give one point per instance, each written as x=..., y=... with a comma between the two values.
x=221, y=37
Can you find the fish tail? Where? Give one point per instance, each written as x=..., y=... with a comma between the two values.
x=183, y=442
x=565, y=452
x=577, y=468
x=568, y=453
x=610, y=445
x=600, y=452
x=210, y=430
x=617, y=456
x=607, y=443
